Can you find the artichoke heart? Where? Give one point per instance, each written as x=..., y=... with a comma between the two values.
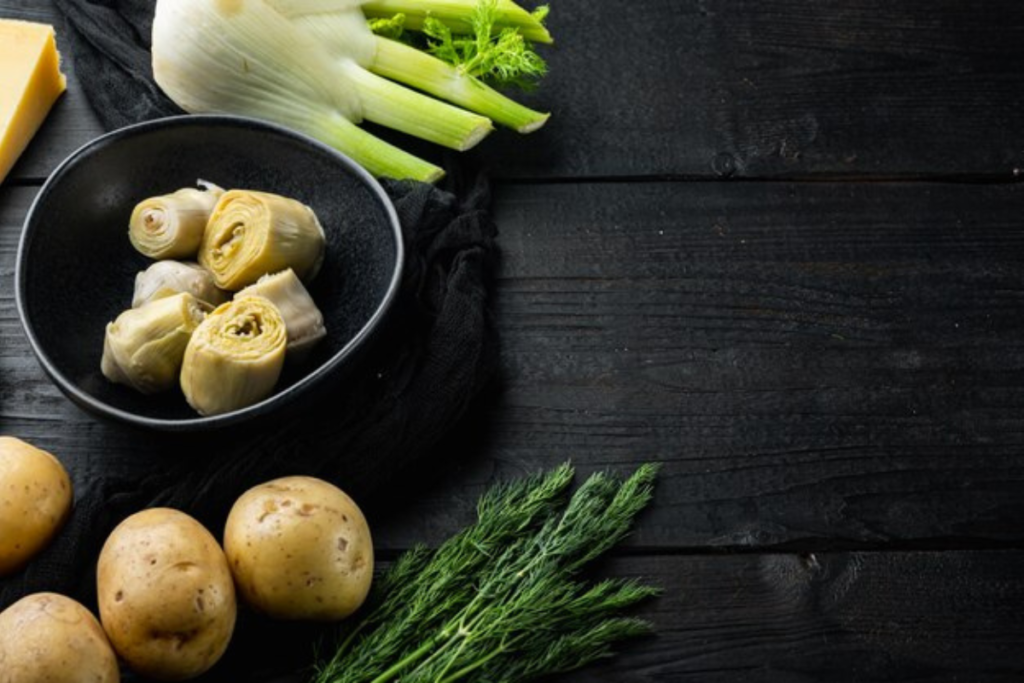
x=167, y=278
x=251, y=234
x=302, y=318
x=235, y=356
x=171, y=226
x=144, y=347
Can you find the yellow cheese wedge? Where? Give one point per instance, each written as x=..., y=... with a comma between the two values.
x=30, y=82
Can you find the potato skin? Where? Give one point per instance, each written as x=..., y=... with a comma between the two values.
x=166, y=597
x=35, y=501
x=299, y=548
x=50, y=637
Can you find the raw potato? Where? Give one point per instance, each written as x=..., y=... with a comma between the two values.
x=35, y=500
x=166, y=597
x=50, y=638
x=299, y=549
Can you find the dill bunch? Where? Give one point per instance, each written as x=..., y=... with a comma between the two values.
x=502, y=601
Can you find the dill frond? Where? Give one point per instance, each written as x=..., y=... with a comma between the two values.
x=501, y=601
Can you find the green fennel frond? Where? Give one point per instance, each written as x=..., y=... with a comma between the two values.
x=389, y=27
x=497, y=57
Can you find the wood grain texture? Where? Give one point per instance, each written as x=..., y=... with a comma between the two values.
x=836, y=618
x=750, y=88
x=838, y=362
x=777, y=88
x=815, y=364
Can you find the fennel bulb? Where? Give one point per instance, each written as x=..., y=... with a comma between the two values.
x=315, y=66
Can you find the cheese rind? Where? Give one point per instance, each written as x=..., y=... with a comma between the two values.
x=30, y=82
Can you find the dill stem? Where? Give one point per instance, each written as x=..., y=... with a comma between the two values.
x=435, y=654
x=349, y=639
x=470, y=668
x=454, y=658
x=404, y=662
x=461, y=633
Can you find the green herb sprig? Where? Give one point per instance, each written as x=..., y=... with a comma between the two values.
x=497, y=54
x=389, y=27
x=502, y=601
x=497, y=57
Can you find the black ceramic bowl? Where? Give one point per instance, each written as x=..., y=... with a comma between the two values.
x=76, y=267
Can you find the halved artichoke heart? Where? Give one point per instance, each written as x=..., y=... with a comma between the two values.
x=167, y=278
x=144, y=347
x=235, y=356
x=302, y=318
x=171, y=226
x=251, y=234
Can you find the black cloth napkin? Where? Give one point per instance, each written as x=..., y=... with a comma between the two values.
x=435, y=354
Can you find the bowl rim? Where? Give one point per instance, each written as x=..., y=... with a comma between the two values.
x=278, y=399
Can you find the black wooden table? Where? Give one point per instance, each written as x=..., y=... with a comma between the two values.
x=778, y=246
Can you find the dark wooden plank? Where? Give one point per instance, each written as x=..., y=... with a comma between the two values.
x=778, y=88
x=809, y=361
x=949, y=616
x=813, y=363
x=71, y=122
x=753, y=88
